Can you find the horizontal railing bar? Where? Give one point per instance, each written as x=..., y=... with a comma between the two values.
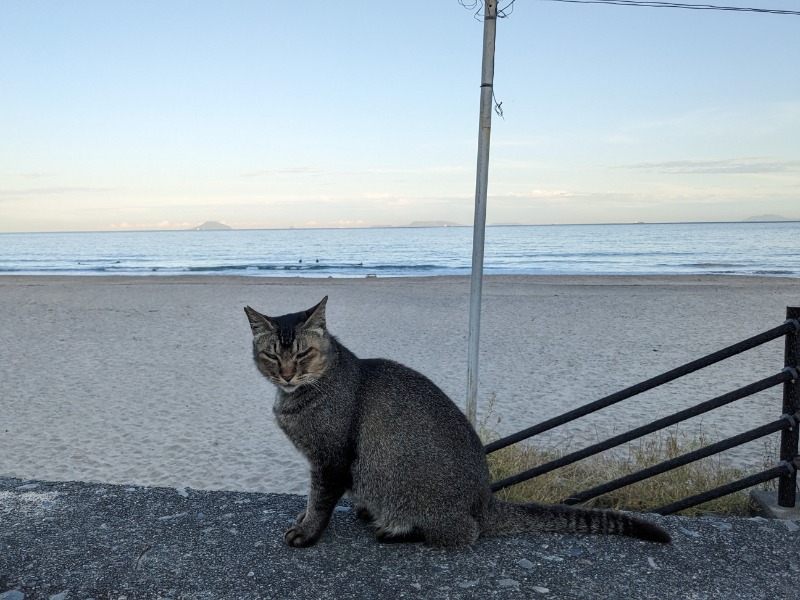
x=677, y=417
x=723, y=490
x=644, y=386
x=679, y=461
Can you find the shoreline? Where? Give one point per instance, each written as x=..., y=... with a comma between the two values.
x=564, y=279
x=149, y=380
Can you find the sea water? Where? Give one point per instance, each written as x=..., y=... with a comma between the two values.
x=771, y=249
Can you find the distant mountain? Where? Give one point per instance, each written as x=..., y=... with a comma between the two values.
x=764, y=218
x=210, y=226
x=433, y=224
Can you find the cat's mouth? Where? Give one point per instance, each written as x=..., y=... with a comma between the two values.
x=289, y=388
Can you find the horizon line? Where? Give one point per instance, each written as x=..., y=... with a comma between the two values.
x=448, y=226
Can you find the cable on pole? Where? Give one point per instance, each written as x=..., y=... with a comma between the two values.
x=683, y=5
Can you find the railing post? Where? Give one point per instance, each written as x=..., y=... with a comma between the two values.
x=787, y=484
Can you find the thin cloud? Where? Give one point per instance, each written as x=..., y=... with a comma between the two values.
x=542, y=194
x=52, y=191
x=149, y=226
x=721, y=166
x=34, y=175
x=299, y=170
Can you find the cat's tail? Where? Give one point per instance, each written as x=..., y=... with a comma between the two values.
x=507, y=517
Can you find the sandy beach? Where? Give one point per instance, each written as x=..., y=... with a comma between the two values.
x=150, y=381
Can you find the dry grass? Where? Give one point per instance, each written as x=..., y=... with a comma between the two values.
x=554, y=487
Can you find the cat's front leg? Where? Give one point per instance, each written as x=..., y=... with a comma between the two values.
x=322, y=498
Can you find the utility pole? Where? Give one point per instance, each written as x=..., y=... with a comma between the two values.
x=479, y=222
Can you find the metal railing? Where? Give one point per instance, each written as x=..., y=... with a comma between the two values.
x=785, y=471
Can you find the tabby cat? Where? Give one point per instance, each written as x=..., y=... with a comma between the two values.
x=391, y=439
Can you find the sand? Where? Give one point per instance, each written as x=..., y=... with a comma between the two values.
x=150, y=381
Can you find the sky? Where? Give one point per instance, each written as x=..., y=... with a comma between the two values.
x=258, y=114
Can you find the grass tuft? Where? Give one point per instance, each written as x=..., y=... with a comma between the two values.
x=685, y=481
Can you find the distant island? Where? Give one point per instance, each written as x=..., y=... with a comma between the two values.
x=766, y=218
x=210, y=226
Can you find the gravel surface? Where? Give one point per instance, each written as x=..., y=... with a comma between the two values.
x=72, y=540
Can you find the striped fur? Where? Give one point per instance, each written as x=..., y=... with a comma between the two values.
x=506, y=517
x=389, y=438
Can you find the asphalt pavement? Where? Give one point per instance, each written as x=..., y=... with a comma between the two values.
x=74, y=541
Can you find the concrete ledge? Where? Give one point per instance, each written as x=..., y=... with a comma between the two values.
x=767, y=506
x=73, y=541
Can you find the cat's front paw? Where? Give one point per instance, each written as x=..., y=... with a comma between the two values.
x=296, y=536
x=300, y=517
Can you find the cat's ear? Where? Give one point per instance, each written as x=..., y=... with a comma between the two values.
x=315, y=317
x=258, y=323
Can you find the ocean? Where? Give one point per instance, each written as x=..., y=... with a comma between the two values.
x=769, y=249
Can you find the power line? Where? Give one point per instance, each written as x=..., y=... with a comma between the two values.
x=508, y=8
x=649, y=4
x=477, y=5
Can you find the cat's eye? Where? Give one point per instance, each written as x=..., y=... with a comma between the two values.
x=268, y=356
x=304, y=353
